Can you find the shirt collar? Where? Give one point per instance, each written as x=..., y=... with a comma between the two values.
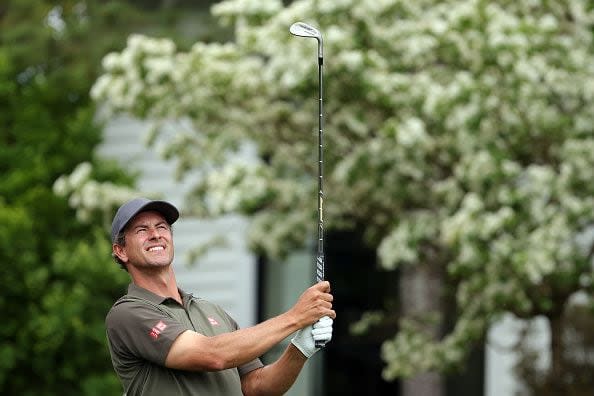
x=137, y=291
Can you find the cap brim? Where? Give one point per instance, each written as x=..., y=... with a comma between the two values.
x=168, y=211
x=132, y=208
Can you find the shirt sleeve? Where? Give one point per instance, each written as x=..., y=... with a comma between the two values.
x=138, y=331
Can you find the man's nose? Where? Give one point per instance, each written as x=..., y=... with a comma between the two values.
x=153, y=232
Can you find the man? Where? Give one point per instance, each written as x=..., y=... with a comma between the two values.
x=164, y=341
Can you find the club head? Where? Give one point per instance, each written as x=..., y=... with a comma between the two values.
x=302, y=29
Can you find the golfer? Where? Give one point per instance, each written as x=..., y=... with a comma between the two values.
x=164, y=341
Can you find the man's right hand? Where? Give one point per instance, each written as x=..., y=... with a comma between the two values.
x=313, y=304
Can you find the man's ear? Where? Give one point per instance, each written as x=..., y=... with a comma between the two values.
x=120, y=252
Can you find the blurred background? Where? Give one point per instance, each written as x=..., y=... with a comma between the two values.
x=459, y=207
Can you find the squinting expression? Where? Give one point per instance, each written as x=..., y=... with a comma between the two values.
x=149, y=242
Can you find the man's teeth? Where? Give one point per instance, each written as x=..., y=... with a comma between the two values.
x=153, y=249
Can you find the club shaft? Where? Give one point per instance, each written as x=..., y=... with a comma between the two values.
x=320, y=267
x=320, y=264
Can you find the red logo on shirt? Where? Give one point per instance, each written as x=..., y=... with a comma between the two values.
x=157, y=330
x=213, y=321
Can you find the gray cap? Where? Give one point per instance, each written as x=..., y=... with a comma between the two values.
x=131, y=208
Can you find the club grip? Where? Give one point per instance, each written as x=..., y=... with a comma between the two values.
x=320, y=269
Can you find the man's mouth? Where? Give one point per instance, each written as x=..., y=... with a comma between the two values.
x=156, y=248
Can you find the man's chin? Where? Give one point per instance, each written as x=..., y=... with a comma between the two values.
x=157, y=264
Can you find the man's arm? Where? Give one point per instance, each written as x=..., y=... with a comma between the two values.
x=276, y=378
x=196, y=352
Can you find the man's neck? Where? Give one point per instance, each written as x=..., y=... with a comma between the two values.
x=162, y=283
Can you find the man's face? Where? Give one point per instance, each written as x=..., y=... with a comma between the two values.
x=149, y=242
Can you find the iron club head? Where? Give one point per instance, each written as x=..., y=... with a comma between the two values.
x=302, y=29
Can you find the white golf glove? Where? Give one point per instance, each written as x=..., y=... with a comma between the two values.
x=305, y=339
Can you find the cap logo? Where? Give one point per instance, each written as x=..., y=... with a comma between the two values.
x=213, y=321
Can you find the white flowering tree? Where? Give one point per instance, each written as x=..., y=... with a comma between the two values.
x=459, y=135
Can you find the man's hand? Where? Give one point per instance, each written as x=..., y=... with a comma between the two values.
x=313, y=304
x=305, y=339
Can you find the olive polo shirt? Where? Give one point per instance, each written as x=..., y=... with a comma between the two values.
x=142, y=326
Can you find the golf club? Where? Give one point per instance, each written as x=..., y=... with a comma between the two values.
x=302, y=29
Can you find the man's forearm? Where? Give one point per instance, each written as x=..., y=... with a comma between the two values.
x=276, y=378
x=243, y=345
x=193, y=351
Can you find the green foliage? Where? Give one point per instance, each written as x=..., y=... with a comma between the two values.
x=58, y=278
